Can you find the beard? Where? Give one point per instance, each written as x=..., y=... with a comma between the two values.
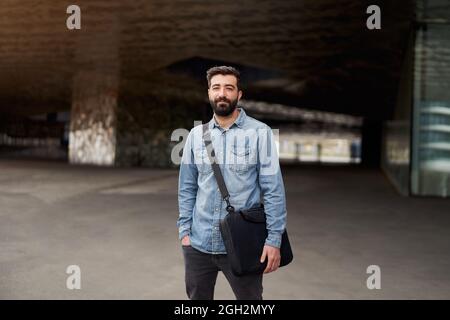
x=223, y=107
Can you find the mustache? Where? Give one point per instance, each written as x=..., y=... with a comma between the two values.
x=222, y=100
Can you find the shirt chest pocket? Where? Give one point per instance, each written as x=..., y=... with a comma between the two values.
x=241, y=159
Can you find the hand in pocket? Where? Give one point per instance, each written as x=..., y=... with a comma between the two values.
x=186, y=241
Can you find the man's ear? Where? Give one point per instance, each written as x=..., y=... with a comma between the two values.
x=239, y=95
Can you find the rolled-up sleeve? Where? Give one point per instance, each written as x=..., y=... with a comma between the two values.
x=187, y=188
x=272, y=187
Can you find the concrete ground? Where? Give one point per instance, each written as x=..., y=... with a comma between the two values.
x=119, y=227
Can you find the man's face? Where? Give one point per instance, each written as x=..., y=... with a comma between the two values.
x=224, y=94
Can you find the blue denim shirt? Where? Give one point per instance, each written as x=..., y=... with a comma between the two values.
x=247, y=155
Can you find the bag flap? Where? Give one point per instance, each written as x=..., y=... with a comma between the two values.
x=256, y=214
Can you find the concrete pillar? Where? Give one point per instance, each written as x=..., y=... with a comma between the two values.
x=92, y=138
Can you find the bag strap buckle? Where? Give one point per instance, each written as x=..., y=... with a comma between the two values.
x=229, y=207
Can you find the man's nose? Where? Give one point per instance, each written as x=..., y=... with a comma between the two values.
x=222, y=93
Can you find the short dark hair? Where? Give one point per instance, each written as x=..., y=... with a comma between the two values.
x=223, y=70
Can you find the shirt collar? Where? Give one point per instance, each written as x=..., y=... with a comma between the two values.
x=239, y=122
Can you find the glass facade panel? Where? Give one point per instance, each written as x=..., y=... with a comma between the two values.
x=431, y=121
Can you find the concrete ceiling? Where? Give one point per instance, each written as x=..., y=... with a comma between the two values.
x=328, y=58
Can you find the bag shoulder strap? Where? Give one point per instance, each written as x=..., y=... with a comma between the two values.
x=215, y=166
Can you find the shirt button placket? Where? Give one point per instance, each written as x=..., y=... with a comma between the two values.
x=215, y=235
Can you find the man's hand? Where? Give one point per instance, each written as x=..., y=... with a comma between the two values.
x=186, y=241
x=273, y=256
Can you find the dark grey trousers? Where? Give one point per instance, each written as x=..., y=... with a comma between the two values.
x=201, y=271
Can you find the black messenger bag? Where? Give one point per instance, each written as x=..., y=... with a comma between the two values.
x=244, y=232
